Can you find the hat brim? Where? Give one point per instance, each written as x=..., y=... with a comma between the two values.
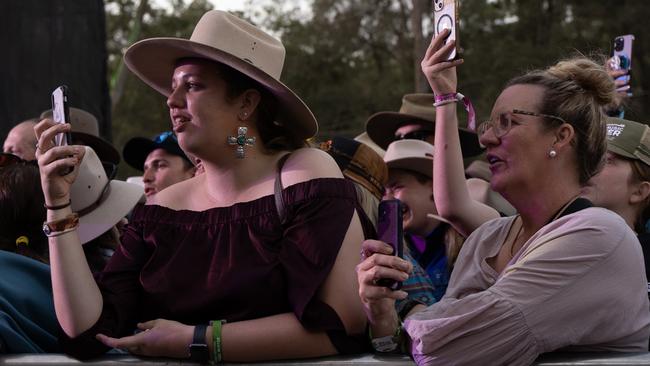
x=119, y=201
x=153, y=61
x=105, y=151
x=381, y=129
x=619, y=151
x=137, y=149
x=420, y=165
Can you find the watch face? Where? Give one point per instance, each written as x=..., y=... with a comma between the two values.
x=46, y=229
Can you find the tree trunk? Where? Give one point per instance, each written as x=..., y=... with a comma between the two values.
x=419, y=48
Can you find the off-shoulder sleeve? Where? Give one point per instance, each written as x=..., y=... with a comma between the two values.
x=558, y=292
x=121, y=289
x=312, y=238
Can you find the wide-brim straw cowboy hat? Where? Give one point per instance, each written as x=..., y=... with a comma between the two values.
x=85, y=131
x=222, y=37
x=100, y=203
x=413, y=155
x=416, y=109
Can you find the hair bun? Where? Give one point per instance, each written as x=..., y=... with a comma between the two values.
x=589, y=76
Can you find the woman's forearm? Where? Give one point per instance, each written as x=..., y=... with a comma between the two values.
x=450, y=192
x=77, y=299
x=275, y=337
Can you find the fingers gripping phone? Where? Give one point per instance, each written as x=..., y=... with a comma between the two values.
x=622, y=56
x=445, y=16
x=389, y=230
x=60, y=113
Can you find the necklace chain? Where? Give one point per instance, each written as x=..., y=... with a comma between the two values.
x=559, y=213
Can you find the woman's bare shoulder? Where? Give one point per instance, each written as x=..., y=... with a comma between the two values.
x=309, y=163
x=177, y=195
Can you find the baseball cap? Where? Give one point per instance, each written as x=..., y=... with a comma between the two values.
x=629, y=139
x=137, y=149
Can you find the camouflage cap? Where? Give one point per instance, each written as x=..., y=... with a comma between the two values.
x=629, y=139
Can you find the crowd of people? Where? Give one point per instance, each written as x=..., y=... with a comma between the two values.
x=246, y=242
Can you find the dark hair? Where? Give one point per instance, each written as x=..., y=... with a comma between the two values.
x=274, y=135
x=576, y=90
x=22, y=210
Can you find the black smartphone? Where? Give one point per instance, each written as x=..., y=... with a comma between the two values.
x=61, y=113
x=622, y=57
x=445, y=16
x=389, y=230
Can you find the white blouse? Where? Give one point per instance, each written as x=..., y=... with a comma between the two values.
x=578, y=283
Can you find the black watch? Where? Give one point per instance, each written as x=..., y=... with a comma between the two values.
x=198, y=348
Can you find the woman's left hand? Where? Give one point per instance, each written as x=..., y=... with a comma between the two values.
x=158, y=338
x=440, y=73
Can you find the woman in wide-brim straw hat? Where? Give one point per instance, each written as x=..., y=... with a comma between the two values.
x=223, y=266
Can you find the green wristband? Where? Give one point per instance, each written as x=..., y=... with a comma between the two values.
x=216, y=340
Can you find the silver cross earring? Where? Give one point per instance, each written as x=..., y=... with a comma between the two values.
x=240, y=141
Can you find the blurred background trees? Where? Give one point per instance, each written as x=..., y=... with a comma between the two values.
x=349, y=59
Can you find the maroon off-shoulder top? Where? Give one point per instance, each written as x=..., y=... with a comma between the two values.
x=234, y=263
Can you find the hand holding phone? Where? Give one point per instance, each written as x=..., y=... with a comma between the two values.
x=445, y=16
x=389, y=230
x=622, y=60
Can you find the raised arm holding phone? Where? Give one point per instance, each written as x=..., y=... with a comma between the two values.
x=535, y=282
x=248, y=261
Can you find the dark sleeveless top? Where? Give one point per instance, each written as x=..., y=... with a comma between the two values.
x=233, y=263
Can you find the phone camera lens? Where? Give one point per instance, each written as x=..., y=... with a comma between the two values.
x=619, y=43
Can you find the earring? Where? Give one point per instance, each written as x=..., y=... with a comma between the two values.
x=552, y=153
x=243, y=116
x=240, y=141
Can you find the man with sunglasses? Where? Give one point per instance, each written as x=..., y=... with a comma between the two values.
x=161, y=160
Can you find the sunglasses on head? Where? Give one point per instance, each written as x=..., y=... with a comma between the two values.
x=415, y=135
x=164, y=136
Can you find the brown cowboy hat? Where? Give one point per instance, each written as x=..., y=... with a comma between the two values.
x=222, y=37
x=416, y=109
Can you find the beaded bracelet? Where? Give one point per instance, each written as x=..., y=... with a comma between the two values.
x=443, y=99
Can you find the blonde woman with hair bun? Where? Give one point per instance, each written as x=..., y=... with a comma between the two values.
x=561, y=274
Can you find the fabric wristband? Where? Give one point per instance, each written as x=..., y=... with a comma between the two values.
x=443, y=99
x=216, y=341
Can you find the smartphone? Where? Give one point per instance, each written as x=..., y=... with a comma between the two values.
x=61, y=113
x=389, y=230
x=622, y=57
x=445, y=16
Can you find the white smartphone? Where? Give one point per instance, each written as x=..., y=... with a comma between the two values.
x=60, y=113
x=445, y=16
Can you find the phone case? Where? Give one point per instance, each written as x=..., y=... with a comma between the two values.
x=622, y=55
x=389, y=230
x=61, y=113
x=445, y=16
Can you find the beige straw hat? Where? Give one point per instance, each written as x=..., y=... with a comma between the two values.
x=222, y=37
x=100, y=203
x=414, y=155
